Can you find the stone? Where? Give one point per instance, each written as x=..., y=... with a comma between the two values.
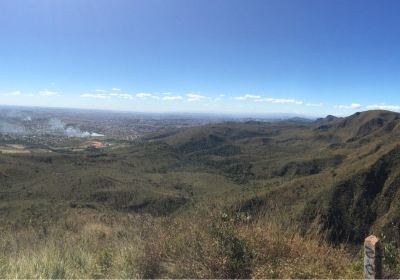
x=372, y=258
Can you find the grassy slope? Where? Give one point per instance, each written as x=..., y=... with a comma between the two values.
x=225, y=200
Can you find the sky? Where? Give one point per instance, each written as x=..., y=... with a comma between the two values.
x=309, y=57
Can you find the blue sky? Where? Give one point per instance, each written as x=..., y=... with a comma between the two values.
x=300, y=56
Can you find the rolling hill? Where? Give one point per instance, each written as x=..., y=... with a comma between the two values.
x=225, y=181
x=342, y=170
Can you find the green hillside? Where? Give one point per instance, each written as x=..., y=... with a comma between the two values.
x=234, y=199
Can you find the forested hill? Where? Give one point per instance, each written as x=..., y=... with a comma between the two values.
x=342, y=171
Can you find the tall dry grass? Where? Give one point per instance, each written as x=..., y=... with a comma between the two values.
x=202, y=244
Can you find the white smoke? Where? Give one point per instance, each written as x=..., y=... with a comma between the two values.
x=56, y=125
x=70, y=131
x=9, y=128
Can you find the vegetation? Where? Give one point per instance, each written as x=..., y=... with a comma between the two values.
x=90, y=244
x=231, y=200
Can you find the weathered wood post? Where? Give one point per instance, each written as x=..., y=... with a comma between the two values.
x=372, y=258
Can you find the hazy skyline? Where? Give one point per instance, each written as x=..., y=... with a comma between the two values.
x=302, y=57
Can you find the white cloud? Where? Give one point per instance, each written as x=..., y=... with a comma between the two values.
x=48, y=93
x=195, y=97
x=355, y=106
x=165, y=93
x=122, y=95
x=282, y=100
x=315, y=104
x=351, y=106
x=247, y=97
x=177, y=97
x=383, y=107
x=97, y=95
x=258, y=98
x=145, y=95
x=99, y=90
x=13, y=93
x=279, y=101
x=116, y=89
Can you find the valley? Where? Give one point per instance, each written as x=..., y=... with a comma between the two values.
x=197, y=198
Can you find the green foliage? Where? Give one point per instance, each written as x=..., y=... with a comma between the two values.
x=391, y=256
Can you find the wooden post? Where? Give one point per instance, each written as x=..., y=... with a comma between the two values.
x=372, y=258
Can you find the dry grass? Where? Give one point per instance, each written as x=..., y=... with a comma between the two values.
x=207, y=244
x=218, y=246
x=86, y=245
